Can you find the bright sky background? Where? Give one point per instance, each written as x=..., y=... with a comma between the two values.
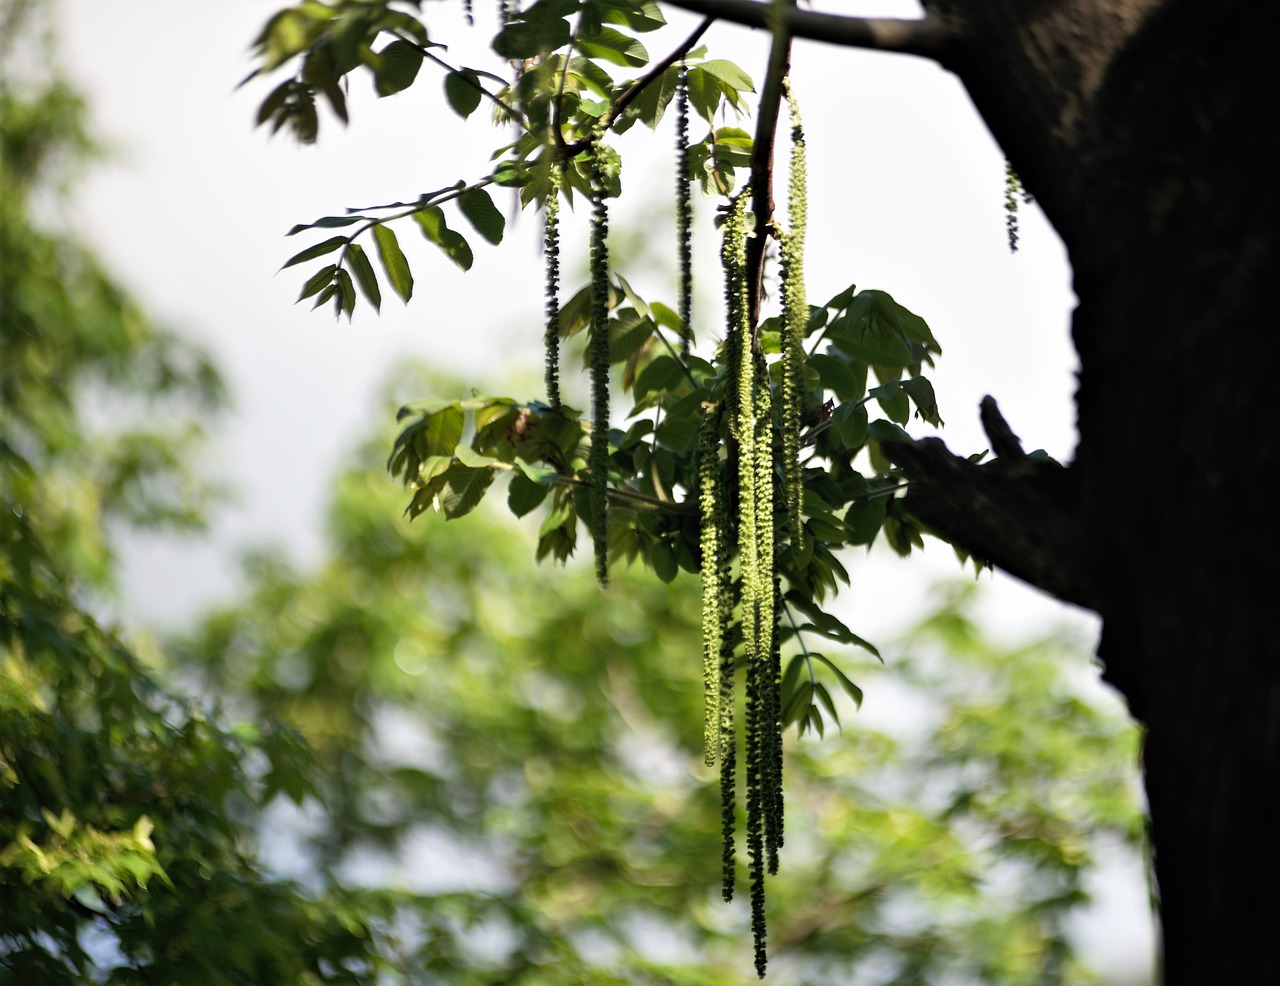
x=906, y=192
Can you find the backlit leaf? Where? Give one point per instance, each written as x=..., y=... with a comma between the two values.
x=398, y=65
x=317, y=281
x=393, y=261
x=480, y=211
x=364, y=274
x=462, y=90
x=432, y=223
x=315, y=250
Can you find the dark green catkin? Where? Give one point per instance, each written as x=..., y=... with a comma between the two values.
x=711, y=505
x=551, y=243
x=772, y=761
x=728, y=734
x=737, y=351
x=598, y=348
x=733, y=260
x=1013, y=191
x=795, y=317
x=754, y=433
x=684, y=211
x=758, y=601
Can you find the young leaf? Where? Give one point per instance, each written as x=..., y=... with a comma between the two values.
x=524, y=495
x=393, y=261
x=853, y=690
x=398, y=65
x=921, y=391
x=316, y=250
x=730, y=77
x=480, y=211
x=324, y=295
x=837, y=376
x=365, y=277
x=431, y=221
x=317, y=281
x=865, y=518
x=328, y=222
x=539, y=29
x=613, y=46
x=462, y=90
x=464, y=488
x=346, y=300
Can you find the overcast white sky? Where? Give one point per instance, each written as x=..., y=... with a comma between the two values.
x=906, y=189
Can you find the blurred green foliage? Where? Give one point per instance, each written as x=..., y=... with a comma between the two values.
x=106, y=409
x=521, y=755
x=126, y=812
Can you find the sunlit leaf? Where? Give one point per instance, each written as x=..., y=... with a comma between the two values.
x=462, y=90
x=316, y=250
x=480, y=211
x=393, y=261
x=364, y=274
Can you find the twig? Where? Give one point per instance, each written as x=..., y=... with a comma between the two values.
x=639, y=86
x=762, y=160
x=927, y=37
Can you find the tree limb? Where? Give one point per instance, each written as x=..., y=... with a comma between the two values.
x=1018, y=512
x=762, y=162
x=927, y=37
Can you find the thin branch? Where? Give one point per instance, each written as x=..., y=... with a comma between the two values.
x=432, y=56
x=762, y=157
x=639, y=86
x=657, y=330
x=926, y=37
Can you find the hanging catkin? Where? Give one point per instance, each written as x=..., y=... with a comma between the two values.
x=551, y=339
x=758, y=610
x=711, y=506
x=737, y=351
x=684, y=211
x=598, y=348
x=795, y=316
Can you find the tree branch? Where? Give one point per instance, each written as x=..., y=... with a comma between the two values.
x=1018, y=512
x=635, y=89
x=762, y=161
x=927, y=37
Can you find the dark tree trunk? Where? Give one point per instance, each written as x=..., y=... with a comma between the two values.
x=1149, y=130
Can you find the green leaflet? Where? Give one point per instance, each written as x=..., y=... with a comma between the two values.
x=393, y=261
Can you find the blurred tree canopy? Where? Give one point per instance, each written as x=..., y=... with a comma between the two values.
x=463, y=771
x=126, y=811
x=524, y=762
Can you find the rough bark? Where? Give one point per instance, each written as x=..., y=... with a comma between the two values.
x=1147, y=129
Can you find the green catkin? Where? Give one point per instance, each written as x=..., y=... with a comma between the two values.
x=551, y=339
x=728, y=775
x=728, y=733
x=773, y=806
x=760, y=793
x=711, y=508
x=737, y=343
x=733, y=259
x=598, y=348
x=755, y=813
x=795, y=316
x=1013, y=190
x=684, y=211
